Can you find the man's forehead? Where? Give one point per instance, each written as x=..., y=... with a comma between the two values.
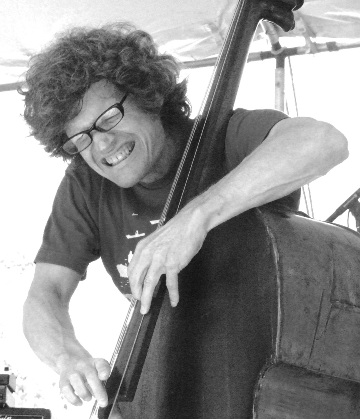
x=97, y=98
x=102, y=89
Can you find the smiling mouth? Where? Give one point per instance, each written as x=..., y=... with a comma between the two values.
x=120, y=155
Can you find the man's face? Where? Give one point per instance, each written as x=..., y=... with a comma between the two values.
x=134, y=150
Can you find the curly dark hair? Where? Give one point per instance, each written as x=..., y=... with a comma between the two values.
x=59, y=76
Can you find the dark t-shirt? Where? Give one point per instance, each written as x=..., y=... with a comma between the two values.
x=92, y=217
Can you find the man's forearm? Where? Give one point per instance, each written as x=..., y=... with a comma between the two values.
x=49, y=331
x=48, y=328
x=283, y=163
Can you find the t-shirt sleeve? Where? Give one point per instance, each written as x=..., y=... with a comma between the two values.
x=71, y=234
x=246, y=131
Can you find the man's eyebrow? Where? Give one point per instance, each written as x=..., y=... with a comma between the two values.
x=71, y=132
x=85, y=127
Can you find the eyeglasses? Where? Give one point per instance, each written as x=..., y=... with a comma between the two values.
x=104, y=123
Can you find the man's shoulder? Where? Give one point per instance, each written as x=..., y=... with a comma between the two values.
x=241, y=114
x=251, y=124
x=246, y=130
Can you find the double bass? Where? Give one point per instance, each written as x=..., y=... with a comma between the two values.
x=221, y=352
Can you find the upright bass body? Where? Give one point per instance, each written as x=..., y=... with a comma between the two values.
x=314, y=371
x=206, y=354
x=270, y=295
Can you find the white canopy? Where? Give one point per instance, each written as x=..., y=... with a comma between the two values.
x=191, y=30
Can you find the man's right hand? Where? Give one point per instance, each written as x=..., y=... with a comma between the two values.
x=49, y=330
x=81, y=379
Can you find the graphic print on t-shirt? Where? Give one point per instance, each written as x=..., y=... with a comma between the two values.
x=135, y=236
x=122, y=267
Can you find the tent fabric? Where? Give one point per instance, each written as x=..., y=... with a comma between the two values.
x=187, y=29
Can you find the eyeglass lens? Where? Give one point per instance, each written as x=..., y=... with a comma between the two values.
x=108, y=120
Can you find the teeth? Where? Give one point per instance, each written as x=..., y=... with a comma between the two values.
x=123, y=153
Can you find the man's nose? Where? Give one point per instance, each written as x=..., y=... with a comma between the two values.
x=103, y=140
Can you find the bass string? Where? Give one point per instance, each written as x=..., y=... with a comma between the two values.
x=123, y=332
x=164, y=214
x=131, y=351
x=176, y=179
x=217, y=68
x=178, y=174
x=132, y=307
x=160, y=224
x=135, y=302
x=118, y=346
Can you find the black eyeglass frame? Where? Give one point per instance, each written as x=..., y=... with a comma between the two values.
x=118, y=105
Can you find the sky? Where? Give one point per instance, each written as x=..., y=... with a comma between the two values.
x=327, y=88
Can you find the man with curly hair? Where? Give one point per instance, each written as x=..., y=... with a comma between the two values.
x=108, y=102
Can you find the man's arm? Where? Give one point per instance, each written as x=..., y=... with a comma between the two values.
x=296, y=152
x=48, y=328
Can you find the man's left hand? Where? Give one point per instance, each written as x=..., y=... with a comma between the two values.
x=166, y=251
